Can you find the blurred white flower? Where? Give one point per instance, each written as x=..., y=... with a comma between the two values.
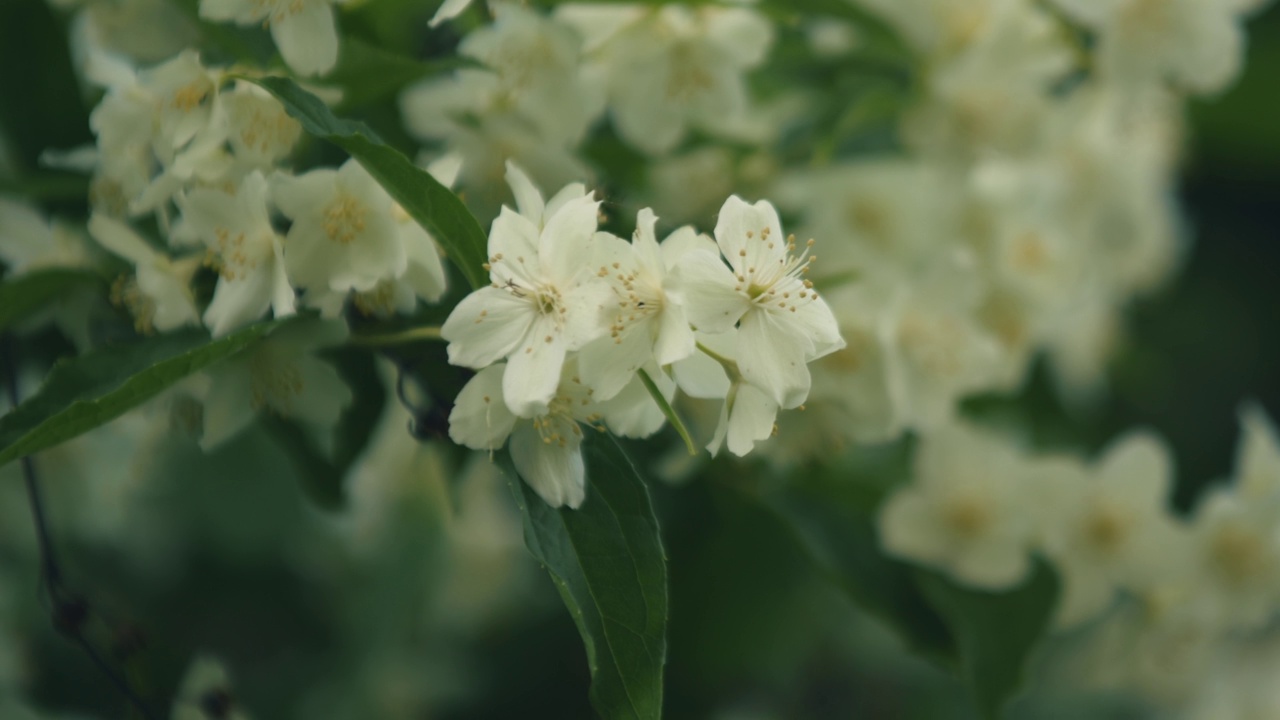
x=1234, y=561
x=672, y=68
x=247, y=252
x=966, y=510
x=303, y=30
x=1107, y=527
x=1197, y=44
x=343, y=236
x=29, y=241
x=279, y=374
x=159, y=296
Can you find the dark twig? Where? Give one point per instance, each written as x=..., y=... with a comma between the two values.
x=69, y=610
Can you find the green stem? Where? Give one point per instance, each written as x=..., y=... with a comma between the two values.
x=668, y=411
x=730, y=366
x=418, y=334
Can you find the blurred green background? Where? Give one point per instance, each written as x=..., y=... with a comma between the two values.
x=755, y=632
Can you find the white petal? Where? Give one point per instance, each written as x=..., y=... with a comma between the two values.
x=480, y=419
x=486, y=326
x=632, y=413
x=322, y=394
x=701, y=377
x=1139, y=467
x=238, y=302
x=301, y=195
x=227, y=408
x=588, y=313
x=307, y=38
x=909, y=528
x=533, y=370
x=750, y=420
x=283, y=298
x=448, y=10
x=675, y=340
x=705, y=286
x=996, y=564
x=120, y=239
x=554, y=471
x=528, y=199
x=815, y=322
x=607, y=364
x=424, y=272
x=565, y=239
x=683, y=241
x=772, y=360
x=750, y=236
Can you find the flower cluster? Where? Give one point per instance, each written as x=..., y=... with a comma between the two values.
x=576, y=322
x=978, y=508
x=205, y=157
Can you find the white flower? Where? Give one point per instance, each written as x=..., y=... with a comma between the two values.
x=545, y=298
x=279, y=374
x=423, y=275
x=343, y=235
x=647, y=324
x=936, y=351
x=248, y=252
x=1198, y=44
x=535, y=61
x=965, y=512
x=673, y=67
x=782, y=322
x=1235, y=560
x=259, y=130
x=1108, y=527
x=29, y=241
x=302, y=29
x=160, y=297
x=545, y=448
x=183, y=93
x=855, y=378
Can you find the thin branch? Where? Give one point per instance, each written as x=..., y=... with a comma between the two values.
x=69, y=610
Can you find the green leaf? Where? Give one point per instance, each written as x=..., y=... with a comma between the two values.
x=996, y=632
x=85, y=392
x=23, y=296
x=841, y=538
x=607, y=561
x=434, y=206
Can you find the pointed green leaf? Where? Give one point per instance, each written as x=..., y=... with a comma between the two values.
x=23, y=296
x=435, y=207
x=607, y=561
x=85, y=392
x=996, y=632
x=841, y=539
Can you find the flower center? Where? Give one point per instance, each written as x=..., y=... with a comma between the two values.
x=273, y=383
x=779, y=284
x=344, y=218
x=967, y=516
x=1239, y=555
